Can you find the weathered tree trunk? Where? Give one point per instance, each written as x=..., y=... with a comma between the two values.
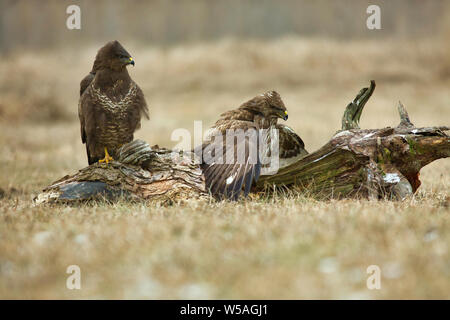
x=354, y=163
x=367, y=163
x=141, y=173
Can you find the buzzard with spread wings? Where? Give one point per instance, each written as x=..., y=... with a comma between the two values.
x=230, y=165
x=111, y=104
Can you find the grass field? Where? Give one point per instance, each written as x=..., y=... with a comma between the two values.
x=292, y=248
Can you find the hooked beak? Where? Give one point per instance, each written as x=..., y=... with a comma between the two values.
x=285, y=117
x=131, y=61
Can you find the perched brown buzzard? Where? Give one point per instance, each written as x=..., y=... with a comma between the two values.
x=242, y=141
x=111, y=104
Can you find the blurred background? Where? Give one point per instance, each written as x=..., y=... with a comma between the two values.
x=194, y=60
x=40, y=24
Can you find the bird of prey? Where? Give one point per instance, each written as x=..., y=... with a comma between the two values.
x=291, y=146
x=234, y=161
x=111, y=104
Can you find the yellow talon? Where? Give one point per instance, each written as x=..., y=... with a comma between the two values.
x=107, y=157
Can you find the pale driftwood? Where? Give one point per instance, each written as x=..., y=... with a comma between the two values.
x=376, y=163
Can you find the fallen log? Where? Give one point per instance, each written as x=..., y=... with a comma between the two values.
x=140, y=173
x=375, y=163
x=368, y=163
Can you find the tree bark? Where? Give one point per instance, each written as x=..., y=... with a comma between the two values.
x=366, y=163
x=369, y=163
x=141, y=173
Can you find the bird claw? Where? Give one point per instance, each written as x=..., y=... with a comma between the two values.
x=107, y=158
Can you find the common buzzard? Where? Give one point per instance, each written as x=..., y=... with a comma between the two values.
x=242, y=143
x=111, y=104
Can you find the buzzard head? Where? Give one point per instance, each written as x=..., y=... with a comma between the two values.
x=274, y=107
x=112, y=56
x=269, y=105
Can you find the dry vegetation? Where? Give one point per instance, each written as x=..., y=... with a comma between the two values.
x=294, y=247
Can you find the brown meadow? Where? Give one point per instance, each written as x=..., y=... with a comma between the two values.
x=276, y=247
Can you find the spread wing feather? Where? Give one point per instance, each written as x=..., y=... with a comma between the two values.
x=290, y=144
x=225, y=179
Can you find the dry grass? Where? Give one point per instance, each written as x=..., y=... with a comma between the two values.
x=292, y=247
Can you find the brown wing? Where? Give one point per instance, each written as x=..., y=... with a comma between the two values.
x=86, y=82
x=88, y=123
x=224, y=175
x=137, y=108
x=84, y=112
x=291, y=146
